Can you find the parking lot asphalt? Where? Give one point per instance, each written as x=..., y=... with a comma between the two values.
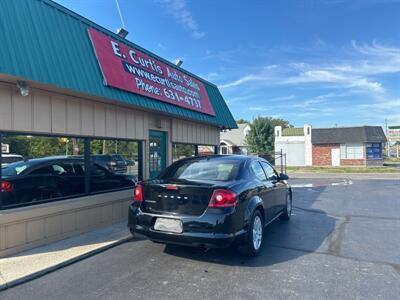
x=343, y=242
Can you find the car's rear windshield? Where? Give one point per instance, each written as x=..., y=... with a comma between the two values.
x=205, y=169
x=14, y=169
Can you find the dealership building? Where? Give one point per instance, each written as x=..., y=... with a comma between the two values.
x=71, y=88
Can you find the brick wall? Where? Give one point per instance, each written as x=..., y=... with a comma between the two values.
x=352, y=162
x=321, y=154
x=374, y=162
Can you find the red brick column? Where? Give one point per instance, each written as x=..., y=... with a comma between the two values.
x=321, y=154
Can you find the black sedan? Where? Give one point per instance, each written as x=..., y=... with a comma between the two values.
x=212, y=201
x=49, y=178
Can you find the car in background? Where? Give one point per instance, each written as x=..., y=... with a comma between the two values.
x=113, y=162
x=44, y=179
x=213, y=201
x=10, y=158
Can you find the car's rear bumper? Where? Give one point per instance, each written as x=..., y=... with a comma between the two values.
x=197, y=231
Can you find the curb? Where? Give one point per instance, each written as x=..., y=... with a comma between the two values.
x=357, y=176
x=63, y=264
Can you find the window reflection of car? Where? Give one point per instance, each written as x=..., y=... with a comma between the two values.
x=113, y=162
x=45, y=179
x=10, y=158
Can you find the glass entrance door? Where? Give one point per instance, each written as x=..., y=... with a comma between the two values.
x=157, y=152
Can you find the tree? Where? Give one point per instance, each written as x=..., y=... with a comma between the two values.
x=261, y=138
x=241, y=121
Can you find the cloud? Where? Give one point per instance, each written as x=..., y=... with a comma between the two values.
x=183, y=16
x=282, y=98
x=310, y=103
x=358, y=73
x=161, y=46
x=226, y=56
x=352, y=83
x=382, y=105
x=380, y=109
x=259, y=108
x=210, y=76
x=240, y=81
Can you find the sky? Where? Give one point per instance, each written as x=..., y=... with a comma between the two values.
x=321, y=62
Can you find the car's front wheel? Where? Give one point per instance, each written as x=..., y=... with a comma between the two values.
x=255, y=236
x=287, y=211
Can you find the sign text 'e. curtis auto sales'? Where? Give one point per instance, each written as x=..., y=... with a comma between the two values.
x=131, y=70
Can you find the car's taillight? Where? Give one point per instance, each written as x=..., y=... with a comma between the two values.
x=6, y=186
x=223, y=198
x=138, y=193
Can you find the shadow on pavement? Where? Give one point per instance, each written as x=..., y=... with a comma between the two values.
x=307, y=231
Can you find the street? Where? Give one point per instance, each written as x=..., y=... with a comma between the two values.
x=343, y=242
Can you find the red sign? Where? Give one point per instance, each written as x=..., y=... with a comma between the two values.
x=131, y=70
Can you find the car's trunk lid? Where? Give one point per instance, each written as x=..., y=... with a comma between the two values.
x=180, y=197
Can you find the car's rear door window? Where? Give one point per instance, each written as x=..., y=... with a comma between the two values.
x=42, y=171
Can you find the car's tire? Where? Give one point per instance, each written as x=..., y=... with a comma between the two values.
x=255, y=236
x=287, y=211
x=132, y=231
x=46, y=196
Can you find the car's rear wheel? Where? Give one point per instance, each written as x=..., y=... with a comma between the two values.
x=47, y=196
x=255, y=236
x=132, y=231
x=287, y=211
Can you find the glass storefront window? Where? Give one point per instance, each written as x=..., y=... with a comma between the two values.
x=351, y=151
x=374, y=151
x=205, y=150
x=180, y=151
x=38, y=169
x=115, y=164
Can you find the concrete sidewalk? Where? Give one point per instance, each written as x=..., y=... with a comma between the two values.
x=30, y=264
x=358, y=176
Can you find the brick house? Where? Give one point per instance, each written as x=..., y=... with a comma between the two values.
x=343, y=146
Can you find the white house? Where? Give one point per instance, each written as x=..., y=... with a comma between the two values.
x=296, y=144
x=234, y=141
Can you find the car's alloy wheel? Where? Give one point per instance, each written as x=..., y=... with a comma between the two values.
x=289, y=205
x=257, y=232
x=255, y=236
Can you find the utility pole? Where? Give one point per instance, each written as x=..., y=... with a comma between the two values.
x=387, y=143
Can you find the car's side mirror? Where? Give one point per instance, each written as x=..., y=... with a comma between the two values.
x=283, y=176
